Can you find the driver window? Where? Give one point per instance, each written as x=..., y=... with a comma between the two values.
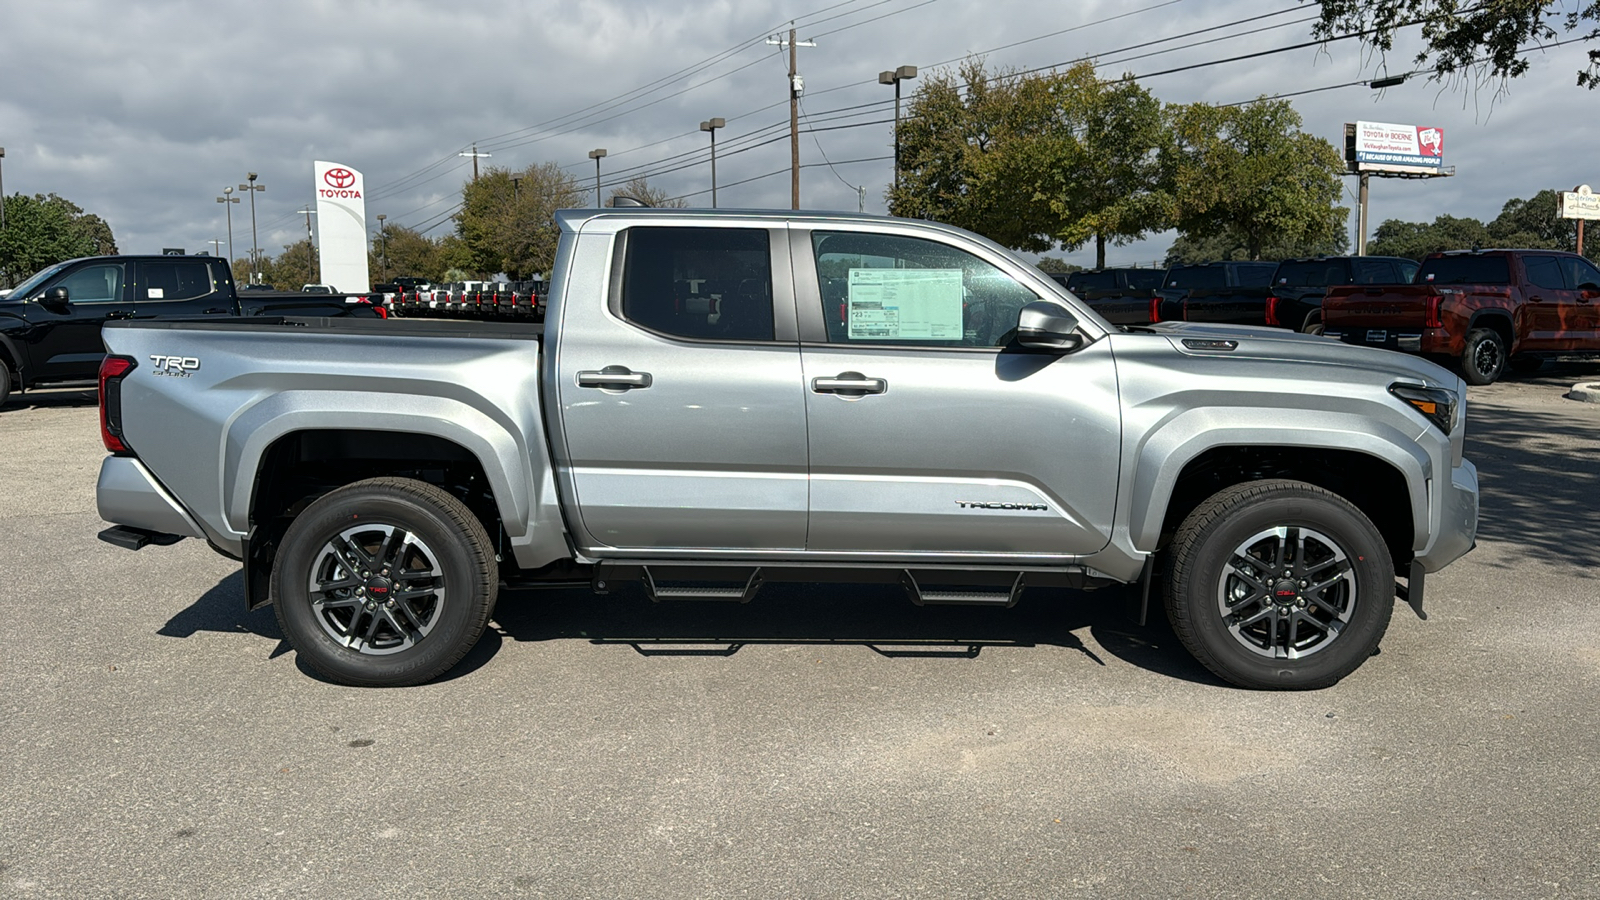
x=94, y=284
x=882, y=289
x=703, y=283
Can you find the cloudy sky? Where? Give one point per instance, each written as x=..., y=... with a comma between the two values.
x=142, y=112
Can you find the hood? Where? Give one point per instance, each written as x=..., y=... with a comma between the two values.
x=1262, y=342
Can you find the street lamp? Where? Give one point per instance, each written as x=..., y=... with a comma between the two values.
x=904, y=73
x=255, y=249
x=711, y=126
x=226, y=199
x=2, y=191
x=597, y=155
x=383, y=242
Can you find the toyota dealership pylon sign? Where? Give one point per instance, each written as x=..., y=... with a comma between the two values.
x=342, y=227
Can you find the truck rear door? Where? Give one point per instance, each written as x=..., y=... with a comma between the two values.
x=678, y=376
x=928, y=433
x=180, y=286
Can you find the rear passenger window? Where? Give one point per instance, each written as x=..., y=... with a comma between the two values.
x=1545, y=272
x=175, y=280
x=703, y=283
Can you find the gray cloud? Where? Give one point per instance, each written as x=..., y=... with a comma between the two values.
x=142, y=112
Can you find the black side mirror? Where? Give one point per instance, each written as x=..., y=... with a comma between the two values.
x=1042, y=325
x=54, y=300
x=1589, y=287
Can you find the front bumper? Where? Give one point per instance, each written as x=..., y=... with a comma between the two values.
x=129, y=495
x=1455, y=518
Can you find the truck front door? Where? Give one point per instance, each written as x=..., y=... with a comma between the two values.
x=930, y=431
x=682, y=415
x=66, y=341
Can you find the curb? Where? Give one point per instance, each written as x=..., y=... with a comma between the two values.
x=1587, y=392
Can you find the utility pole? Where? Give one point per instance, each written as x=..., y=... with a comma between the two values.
x=1361, y=218
x=796, y=88
x=216, y=246
x=227, y=199
x=311, y=246
x=255, y=250
x=475, y=157
x=2, y=191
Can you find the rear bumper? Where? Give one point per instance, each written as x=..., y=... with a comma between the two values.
x=129, y=495
x=1436, y=341
x=1454, y=517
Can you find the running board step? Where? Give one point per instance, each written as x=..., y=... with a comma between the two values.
x=958, y=589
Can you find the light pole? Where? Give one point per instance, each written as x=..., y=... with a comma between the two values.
x=311, y=245
x=711, y=126
x=2, y=190
x=226, y=200
x=383, y=254
x=904, y=73
x=255, y=249
x=597, y=155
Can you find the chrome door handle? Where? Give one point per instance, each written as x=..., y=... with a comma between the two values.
x=615, y=377
x=849, y=383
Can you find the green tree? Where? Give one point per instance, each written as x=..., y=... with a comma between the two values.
x=1414, y=240
x=1484, y=40
x=1225, y=246
x=295, y=266
x=1536, y=223
x=642, y=190
x=1034, y=160
x=509, y=226
x=43, y=230
x=1057, y=265
x=1249, y=171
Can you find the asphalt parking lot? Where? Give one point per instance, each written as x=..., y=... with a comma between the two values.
x=158, y=741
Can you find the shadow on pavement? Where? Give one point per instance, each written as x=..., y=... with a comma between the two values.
x=876, y=617
x=53, y=398
x=1540, y=494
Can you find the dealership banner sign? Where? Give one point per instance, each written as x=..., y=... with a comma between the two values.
x=341, y=226
x=1386, y=147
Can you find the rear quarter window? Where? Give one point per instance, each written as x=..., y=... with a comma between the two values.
x=1465, y=270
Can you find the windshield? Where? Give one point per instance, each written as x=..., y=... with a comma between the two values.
x=1196, y=277
x=1465, y=270
x=27, y=287
x=1314, y=273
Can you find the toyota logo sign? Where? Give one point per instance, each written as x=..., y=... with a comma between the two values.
x=339, y=178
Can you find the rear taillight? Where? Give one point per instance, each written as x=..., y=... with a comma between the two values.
x=112, y=370
x=1433, y=320
x=1155, y=310
x=1272, y=309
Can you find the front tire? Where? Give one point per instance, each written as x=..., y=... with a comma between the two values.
x=386, y=582
x=5, y=383
x=1483, y=360
x=1279, y=585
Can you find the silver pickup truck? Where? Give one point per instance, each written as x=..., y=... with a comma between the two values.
x=722, y=399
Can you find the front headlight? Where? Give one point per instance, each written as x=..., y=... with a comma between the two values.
x=1437, y=404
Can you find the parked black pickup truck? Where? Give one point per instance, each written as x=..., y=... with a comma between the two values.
x=1294, y=298
x=1186, y=283
x=50, y=325
x=1122, y=296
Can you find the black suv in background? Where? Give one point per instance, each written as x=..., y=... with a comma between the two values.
x=50, y=325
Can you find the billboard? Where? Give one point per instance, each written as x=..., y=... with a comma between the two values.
x=1386, y=147
x=342, y=226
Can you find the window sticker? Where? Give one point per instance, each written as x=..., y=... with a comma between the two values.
x=918, y=304
x=156, y=294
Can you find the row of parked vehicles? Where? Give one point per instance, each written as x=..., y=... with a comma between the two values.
x=1483, y=311
x=505, y=300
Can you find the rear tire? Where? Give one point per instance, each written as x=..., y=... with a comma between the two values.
x=5, y=383
x=1483, y=360
x=384, y=583
x=1279, y=585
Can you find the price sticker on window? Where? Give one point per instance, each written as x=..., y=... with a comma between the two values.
x=915, y=304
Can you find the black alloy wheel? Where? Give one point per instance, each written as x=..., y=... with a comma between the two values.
x=1483, y=360
x=385, y=582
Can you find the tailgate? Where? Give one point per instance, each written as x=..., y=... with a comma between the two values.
x=1377, y=306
